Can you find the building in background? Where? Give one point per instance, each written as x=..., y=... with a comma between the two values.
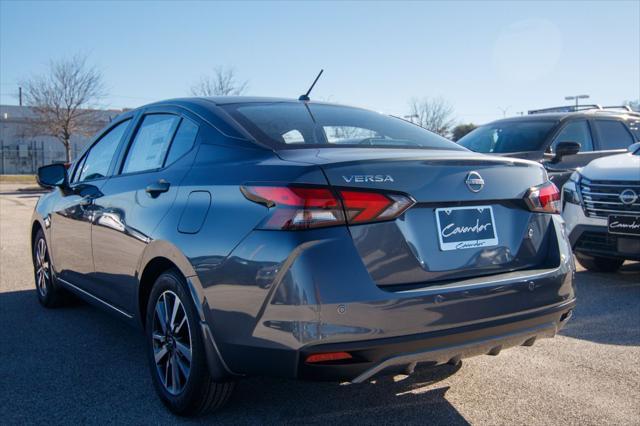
x=22, y=151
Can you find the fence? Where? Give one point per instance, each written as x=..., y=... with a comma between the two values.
x=25, y=157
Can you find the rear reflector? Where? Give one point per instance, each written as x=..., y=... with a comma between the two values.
x=544, y=198
x=305, y=207
x=330, y=356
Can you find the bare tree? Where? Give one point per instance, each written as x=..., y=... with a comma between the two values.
x=64, y=99
x=435, y=114
x=222, y=82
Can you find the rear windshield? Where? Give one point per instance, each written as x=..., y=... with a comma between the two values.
x=284, y=125
x=509, y=136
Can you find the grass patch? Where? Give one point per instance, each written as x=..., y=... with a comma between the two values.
x=18, y=179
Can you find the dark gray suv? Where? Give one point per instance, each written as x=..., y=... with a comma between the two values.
x=252, y=236
x=560, y=138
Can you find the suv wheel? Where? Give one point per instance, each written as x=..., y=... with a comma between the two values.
x=176, y=351
x=599, y=264
x=49, y=294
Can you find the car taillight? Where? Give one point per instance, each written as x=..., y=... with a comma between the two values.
x=361, y=206
x=303, y=207
x=543, y=198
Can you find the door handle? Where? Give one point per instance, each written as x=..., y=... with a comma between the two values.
x=158, y=188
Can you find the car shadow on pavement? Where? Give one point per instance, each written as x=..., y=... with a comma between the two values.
x=608, y=311
x=78, y=364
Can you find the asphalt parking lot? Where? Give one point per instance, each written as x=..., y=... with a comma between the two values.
x=80, y=365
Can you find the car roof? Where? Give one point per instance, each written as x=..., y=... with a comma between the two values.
x=234, y=100
x=562, y=116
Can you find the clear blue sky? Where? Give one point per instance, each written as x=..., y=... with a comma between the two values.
x=480, y=56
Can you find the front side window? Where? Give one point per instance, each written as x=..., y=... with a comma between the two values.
x=509, y=136
x=95, y=164
x=284, y=125
x=149, y=147
x=575, y=131
x=613, y=134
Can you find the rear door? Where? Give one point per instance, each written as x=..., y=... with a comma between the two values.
x=137, y=197
x=71, y=222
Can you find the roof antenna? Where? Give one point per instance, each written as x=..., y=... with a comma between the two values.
x=305, y=97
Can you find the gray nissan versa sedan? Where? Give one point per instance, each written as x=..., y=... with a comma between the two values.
x=257, y=236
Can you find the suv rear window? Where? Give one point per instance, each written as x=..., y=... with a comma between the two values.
x=283, y=125
x=509, y=136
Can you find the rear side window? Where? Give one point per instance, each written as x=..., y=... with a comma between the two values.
x=151, y=143
x=183, y=141
x=575, y=131
x=95, y=164
x=613, y=134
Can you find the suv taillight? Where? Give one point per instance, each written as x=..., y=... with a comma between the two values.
x=543, y=198
x=305, y=207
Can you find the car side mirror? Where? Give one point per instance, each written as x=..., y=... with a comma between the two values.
x=634, y=147
x=565, y=148
x=52, y=175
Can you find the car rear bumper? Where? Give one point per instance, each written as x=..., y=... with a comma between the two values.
x=403, y=354
x=268, y=319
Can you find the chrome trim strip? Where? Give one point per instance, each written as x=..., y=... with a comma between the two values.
x=67, y=283
x=617, y=185
x=601, y=194
x=622, y=212
x=610, y=202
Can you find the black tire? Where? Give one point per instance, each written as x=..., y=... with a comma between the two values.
x=50, y=295
x=599, y=264
x=195, y=393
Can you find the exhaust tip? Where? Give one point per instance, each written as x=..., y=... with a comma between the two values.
x=530, y=341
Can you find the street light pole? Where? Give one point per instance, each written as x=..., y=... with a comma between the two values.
x=576, y=97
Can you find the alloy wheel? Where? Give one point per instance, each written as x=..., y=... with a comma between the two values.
x=43, y=267
x=171, y=342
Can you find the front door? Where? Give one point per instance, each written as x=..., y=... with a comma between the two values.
x=75, y=210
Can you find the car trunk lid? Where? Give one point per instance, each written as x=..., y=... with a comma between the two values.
x=469, y=218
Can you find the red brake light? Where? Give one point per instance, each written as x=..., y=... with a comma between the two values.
x=302, y=207
x=544, y=198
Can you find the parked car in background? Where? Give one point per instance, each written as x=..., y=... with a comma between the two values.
x=253, y=236
x=561, y=138
x=601, y=207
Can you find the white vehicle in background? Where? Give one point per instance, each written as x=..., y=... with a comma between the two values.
x=601, y=207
